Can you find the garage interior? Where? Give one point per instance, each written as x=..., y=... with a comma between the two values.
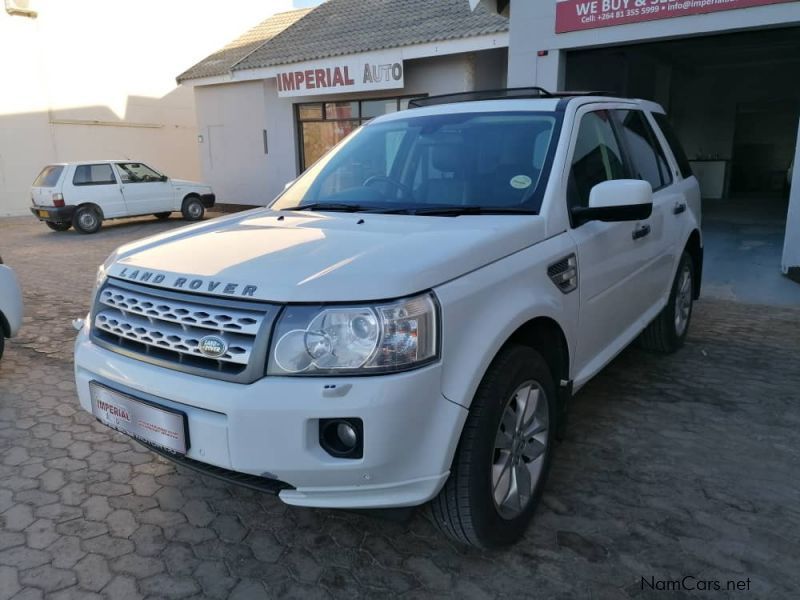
x=734, y=100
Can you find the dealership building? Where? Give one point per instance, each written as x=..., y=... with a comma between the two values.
x=726, y=71
x=273, y=101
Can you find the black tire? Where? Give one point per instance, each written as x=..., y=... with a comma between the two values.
x=162, y=215
x=466, y=509
x=665, y=334
x=87, y=220
x=58, y=226
x=193, y=209
x=2, y=343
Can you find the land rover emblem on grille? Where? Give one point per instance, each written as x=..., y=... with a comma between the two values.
x=212, y=346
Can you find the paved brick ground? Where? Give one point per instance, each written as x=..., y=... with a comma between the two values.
x=684, y=465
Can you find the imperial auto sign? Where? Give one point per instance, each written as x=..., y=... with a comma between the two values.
x=378, y=71
x=577, y=15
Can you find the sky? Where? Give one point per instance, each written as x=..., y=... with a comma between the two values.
x=306, y=3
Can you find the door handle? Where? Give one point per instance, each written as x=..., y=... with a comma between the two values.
x=680, y=207
x=640, y=232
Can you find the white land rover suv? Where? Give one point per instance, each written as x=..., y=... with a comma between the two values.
x=407, y=322
x=82, y=195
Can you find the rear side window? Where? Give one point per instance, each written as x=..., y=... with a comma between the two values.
x=674, y=144
x=646, y=155
x=93, y=175
x=597, y=157
x=49, y=176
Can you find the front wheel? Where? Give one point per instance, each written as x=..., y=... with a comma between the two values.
x=504, y=454
x=193, y=209
x=86, y=220
x=668, y=331
x=58, y=226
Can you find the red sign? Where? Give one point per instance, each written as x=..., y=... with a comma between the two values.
x=577, y=15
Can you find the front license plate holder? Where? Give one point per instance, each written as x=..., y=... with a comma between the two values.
x=149, y=422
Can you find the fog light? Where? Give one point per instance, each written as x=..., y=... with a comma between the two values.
x=342, y=438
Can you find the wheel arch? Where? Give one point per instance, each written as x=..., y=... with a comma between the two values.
x=546, y=336
x=96, y=207
x=189, y=196
x=694, y=247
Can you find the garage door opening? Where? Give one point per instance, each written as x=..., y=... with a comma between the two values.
x=734, y=100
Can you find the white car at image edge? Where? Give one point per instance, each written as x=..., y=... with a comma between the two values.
x=10, y=305
x=408, y=321
x=84, y=194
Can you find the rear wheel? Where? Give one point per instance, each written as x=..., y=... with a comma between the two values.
x=58, y=226
x=86, y=219
x=193, y=209
x=668, y=331
x=504, y=454
x=162, y=215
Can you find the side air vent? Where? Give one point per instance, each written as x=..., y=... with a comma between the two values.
x=564, y=273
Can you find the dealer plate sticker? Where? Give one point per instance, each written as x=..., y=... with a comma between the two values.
x=162, y=427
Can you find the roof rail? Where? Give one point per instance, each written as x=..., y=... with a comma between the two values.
x=501, y=94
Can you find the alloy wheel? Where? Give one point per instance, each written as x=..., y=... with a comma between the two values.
x=520, y=448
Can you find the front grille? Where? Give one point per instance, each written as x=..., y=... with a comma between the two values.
x=167, y=328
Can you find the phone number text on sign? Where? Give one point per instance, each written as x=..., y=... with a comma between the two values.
x=577, y=15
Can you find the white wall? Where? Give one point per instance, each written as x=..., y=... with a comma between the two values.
x=236, y=165
x=533, y=29
x=96, y=79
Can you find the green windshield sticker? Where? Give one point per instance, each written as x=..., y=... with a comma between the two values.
x=520, y=182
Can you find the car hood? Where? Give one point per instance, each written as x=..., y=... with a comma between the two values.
x=322, y=257
x=187, y=183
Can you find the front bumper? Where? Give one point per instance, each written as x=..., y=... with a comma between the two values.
x=270, y=428
x=208, y=200
x=54, y=214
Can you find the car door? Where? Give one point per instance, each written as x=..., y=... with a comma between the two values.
x=648, y=162
x=96, y=184
x=145, y=190
x=610, y=257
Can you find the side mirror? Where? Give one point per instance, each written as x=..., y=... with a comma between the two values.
x=164, y=178
x=616, y=200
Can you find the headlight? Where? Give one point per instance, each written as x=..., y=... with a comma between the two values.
x=362, y=340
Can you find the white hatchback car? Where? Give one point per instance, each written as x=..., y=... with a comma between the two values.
x=10, y=305
x=84, y=194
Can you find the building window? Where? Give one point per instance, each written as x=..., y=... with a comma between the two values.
x=322, y=125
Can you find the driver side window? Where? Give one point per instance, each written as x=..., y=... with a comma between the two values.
x=597, y=157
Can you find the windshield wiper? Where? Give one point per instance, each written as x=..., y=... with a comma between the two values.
x=455, y=211
x=329, y=206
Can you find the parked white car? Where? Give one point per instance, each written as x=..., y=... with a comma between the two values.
x=10, y=305
x=408, y=321
x=84, y=194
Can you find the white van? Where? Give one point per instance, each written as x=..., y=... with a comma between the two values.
x=84, y=194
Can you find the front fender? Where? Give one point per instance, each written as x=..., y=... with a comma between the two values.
x=10, y=302
x=482, y=309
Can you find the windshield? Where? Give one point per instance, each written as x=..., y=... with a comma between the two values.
x=465, y=160
x=137, y=173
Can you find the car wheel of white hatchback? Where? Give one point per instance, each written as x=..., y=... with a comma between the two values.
x=86, y=219
x=504, y=454
x=193, y=209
